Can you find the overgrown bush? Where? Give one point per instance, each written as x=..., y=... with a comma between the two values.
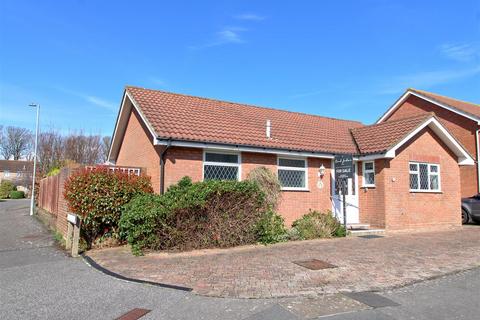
x=316, y=224
x=17, y=194
x=98, y=195
x=271, y=228
x=195, y=215
x=268, y=183
x=6, y=187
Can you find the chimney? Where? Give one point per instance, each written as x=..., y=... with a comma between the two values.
x=269, y=127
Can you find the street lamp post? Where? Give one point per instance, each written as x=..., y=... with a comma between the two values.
x=32, y=201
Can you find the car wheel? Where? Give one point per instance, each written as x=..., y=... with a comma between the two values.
x=465, y=217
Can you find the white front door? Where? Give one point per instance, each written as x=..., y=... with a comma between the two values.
x=351, y=198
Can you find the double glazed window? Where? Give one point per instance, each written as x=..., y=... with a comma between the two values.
x=221, y=166
x=369, y=174
x=292, y=173
x=424, y=177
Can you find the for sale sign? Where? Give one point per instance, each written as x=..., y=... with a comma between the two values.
x=343, y=167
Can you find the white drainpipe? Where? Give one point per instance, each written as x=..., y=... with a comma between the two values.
x=478, y=162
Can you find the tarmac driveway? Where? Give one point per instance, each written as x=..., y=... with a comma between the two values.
x=264, y=272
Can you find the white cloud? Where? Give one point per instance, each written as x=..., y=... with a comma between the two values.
x=228, y=35
x=250, y=17
x=428, y=79
x=97, y=101
x=463, y=52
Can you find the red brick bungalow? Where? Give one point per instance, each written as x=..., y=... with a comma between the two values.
x=461, y=118
x=407, y=171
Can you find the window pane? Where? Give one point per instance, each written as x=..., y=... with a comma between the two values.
x=221, y=157
x=413, y=181
x=291, y=178
x=423, y=176
x=369, y=178
x=434, y=182
x=212, y=172
x=413, y=167
x=291, y=163
x=368, y=166
x=433, y=168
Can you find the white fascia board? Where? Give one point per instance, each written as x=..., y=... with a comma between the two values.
x=123, y=116
x=373, y=157
x=394, y=106
x=120, y=112
x=213, y=146
x=463, y=157
x=442, y=105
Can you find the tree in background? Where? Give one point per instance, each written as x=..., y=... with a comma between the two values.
x=50, y=151
x=16, y=142
x=105, y=148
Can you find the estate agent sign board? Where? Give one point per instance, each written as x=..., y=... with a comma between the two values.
x=343, y=172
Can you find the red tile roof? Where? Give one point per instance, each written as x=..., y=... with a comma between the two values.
x=468, y=107
x=15, y=165
x=189, y=118
x=381, y=137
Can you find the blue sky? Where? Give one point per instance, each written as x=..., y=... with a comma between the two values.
x=344, y=59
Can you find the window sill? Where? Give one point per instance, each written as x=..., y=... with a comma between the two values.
x=368, y=186
x=295, y=190
x=426, y=191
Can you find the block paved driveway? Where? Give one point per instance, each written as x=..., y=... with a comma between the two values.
x=38, y=281
x=265, y=272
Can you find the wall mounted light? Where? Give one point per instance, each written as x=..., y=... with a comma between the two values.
x=321, y=171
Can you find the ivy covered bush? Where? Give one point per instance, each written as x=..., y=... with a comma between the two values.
x=315, y=225
x=98, y=195
x=194, y=216
x=6, y=187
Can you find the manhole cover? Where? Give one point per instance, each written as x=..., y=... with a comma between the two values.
x=134, y=314
x=314, y=264
x=370, y=236
x=371, y=299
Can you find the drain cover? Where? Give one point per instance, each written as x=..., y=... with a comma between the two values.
x=370, y=236
x=314, y=264
x=134, y=314
x=371, y=299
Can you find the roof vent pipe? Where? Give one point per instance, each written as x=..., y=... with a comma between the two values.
x=269, y=128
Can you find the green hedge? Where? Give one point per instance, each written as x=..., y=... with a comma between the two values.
x=315, y=225
x=97, y=196
x=6, y=187
x=195, y=215
x=17, y=195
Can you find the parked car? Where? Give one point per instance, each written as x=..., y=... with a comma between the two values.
x=471, y=209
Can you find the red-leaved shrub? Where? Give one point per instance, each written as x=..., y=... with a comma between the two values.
x=97, y=195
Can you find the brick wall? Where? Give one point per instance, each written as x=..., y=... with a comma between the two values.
x=404, y=209
x=137, y=150
x=372, y=199
x=462, y=128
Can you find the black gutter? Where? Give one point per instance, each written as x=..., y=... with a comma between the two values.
x=162, y=166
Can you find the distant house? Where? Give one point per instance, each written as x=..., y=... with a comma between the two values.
x=461, y=118
x=17, y=171
x=406, y=171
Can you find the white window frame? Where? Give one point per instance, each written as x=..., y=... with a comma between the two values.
x=429, y=173
x=304, y=169
x=226, y=164
x=364, y=171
